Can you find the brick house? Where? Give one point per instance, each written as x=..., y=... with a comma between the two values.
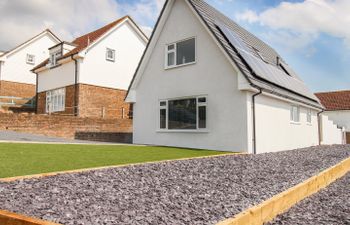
x=89, y=76
x=16, y=79
x=337, y=108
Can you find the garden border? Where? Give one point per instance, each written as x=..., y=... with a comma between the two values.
x=270, y=208
x=10, y=218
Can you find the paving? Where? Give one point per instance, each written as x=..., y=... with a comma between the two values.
x=13, y=136
x=330, y=206
x=195, y=191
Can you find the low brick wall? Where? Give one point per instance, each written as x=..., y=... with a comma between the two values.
x=8, y=88
x=109, y=130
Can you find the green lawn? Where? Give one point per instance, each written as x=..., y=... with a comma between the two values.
x=25, y=159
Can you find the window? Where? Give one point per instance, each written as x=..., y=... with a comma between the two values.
x=110, y=54
x=181, y=53
x=30, y=59
x=55, y=100
x=308, y=115
x=183, y=114
x=295, y=114
x=54, y=57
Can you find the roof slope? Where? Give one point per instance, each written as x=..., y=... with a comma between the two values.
x=29, y=40
x=85, y=40
x=335, y=100
x=294, y=89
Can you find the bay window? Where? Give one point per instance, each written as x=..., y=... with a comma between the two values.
x=183, y=114
x=181, y=53
x=55, y=100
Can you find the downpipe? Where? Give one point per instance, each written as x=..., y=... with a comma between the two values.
x=254, y=119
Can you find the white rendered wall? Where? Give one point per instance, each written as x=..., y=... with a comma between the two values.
x=275, y=131
x=331, y=134
x=128, y=46
x=341, y=117
x=16, y=69
x=57, y=77
x=211, y=75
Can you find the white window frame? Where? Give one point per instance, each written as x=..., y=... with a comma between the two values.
x=309, y=116
x=198, y=104
x=53, y=98
x=30, y=59
x=111, y=59
x=295, y=118
x=54, y=57
x=175, y=50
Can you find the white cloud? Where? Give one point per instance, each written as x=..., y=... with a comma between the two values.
x=68, y=19
x=248, y=15
x=308, y=18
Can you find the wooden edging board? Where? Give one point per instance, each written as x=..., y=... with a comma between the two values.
x=10, y=218
x=269, y=209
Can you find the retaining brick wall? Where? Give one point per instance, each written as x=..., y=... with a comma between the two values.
x=8, y=88
x=111, y=130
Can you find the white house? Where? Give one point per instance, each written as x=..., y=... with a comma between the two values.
x=205, y=82
x=89, y=77
x=16, y=79
x=337, y=104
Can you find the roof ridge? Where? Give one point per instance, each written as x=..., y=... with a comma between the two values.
x=334, y=91
x=112, y=24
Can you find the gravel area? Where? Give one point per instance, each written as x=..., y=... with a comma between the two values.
x=330, y=206
x=197, y=191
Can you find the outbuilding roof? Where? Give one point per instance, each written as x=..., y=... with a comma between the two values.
x=335, y=100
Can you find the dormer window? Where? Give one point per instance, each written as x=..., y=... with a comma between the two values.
x=180, y=53
x=30, y=59
x=110, y=54
x=54, y=57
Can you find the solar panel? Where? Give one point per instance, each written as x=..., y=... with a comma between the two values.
x=265, y=70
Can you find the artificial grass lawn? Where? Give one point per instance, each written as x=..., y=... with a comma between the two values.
x=25, y=159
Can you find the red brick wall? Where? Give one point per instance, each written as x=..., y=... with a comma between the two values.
x=92, y=101
x=101, y=102
x=21, y=90
x=69, y=102
x=68, y=126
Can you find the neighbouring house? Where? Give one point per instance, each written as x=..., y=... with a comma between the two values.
x=16, y=78
x=89, y=77
x=337, y=104
x=205, y=82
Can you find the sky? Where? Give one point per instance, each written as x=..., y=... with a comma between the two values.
x=313, y=36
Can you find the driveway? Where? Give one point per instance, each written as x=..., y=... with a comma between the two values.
x=12, y=136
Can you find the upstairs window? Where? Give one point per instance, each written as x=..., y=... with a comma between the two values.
x=30, y=59
x=110, y=55
x=54, y=57
x=180, y=53
x=183, y=114
x=308, y=115
x=295, y=114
